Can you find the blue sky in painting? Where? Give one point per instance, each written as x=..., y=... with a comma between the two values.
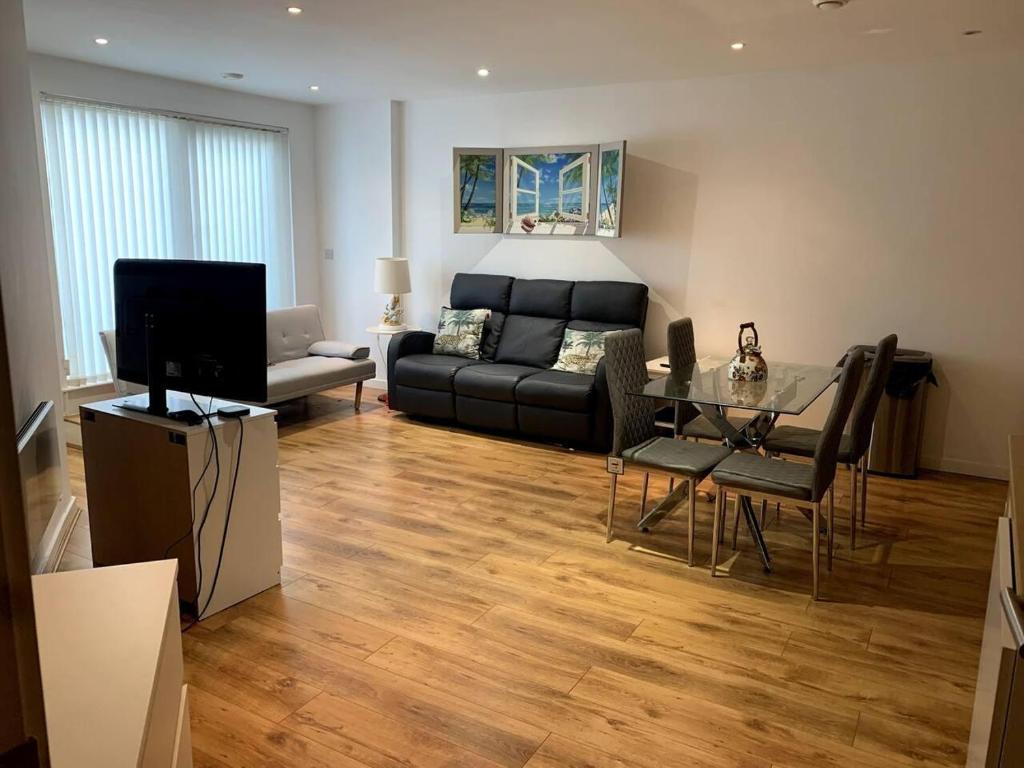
x=548, y=181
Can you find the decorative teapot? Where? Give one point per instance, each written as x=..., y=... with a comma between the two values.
x=748, y=365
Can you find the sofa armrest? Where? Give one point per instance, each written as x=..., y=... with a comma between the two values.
x=406, y=343
x=329, y=348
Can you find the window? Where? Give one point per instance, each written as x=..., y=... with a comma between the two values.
x=574, y=189
x=127, y=183
x=526, y=182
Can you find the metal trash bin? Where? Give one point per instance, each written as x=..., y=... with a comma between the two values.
x=896, y=435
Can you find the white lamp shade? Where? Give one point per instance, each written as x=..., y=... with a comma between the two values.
x=391, y=276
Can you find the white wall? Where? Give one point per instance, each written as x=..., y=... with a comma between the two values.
x=89, y=81
x=358, y=161
x=830, y=207
x=25, y=272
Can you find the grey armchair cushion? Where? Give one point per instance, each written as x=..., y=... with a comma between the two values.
x=703, y=428
x=758, y=474
x=339, y=349
x=686, y=458
x=801, y=441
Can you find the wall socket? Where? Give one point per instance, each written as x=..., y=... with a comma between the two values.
x=329, y=254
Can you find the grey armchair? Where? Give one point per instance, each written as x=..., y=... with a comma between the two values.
x=853, y=447
x=682, y=353
x=634, y=440
x=770, y=479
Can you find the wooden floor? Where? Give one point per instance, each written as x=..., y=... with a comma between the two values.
x=449, y=600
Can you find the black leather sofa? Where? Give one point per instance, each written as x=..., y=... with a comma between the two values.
x=511, y=389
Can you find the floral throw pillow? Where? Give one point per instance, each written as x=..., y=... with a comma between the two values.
x=580, y=352
x=459, y=332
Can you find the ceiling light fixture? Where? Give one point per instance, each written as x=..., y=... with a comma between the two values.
x=878, y=31
x=483, y=72
x=738, y=46
x=101, y=41
x=830, y=5
x=294, y=10
x=314, y=87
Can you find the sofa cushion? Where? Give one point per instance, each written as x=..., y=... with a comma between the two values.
x=290, y=332
x=581, y=352
x=430, y=371
x=295, y=378
x=493, y=326
x=541, y=298
x=558, y=390
x=491, y=381
x=460, y=331
x=471, y=291
x=530, y=341
x=609, y=301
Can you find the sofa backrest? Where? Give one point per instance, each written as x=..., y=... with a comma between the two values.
x=290, y=332
x=529, y=317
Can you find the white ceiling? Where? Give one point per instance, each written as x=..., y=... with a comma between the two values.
x=405, y=49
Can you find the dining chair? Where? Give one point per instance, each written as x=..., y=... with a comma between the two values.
x=682, y=354
x=853, y=447
x=634, y=438
x=752, y=475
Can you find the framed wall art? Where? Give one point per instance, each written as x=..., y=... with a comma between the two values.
x=477, y=182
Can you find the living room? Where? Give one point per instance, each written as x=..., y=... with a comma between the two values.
x=512, y=491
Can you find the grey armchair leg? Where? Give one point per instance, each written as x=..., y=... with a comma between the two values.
x=613, y=484
x=831, y=533
x=691, y=524
x=853, y=506
x=719, y=503
x=864, y=490
x=736, y=511
x=359, y=396
x=643, y=494
x=815, y=547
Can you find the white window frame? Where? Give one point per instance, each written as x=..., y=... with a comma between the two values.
x=516, y=189
x=584, y=189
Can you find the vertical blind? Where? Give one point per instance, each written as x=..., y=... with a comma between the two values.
x=126, y=183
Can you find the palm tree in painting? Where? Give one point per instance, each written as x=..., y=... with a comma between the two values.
x=609, y=185
x=474, y=169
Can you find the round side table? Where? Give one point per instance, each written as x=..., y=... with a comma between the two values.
x=386, y=332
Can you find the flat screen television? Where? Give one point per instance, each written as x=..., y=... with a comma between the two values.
x=198, y=327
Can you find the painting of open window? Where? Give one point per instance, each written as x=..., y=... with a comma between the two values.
x=610, y=169
x=478, y=190
x=550, y=190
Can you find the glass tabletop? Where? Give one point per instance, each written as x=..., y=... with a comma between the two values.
x=789, y=389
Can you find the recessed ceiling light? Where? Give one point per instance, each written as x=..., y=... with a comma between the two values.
x=971, y=32
x=738, y=46
x=294, y=10
x=232, y=75
x=314, y=87
x=101, y=41
x=878, y=31
x=483, y=72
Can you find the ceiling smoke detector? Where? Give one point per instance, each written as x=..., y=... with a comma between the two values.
x=829, y=4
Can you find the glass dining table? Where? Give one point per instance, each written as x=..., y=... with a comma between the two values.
x=788, y=390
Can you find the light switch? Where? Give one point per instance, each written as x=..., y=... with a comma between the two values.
x=329, y=254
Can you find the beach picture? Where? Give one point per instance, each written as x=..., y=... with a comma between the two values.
x=478, y=187
x=609, y=188
x=549, y=190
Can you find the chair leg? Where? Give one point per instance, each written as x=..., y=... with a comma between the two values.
x=359, y=396
x=643, y=493
x=853, y=506
x=692, y=523
x=719, y=504
x=736, y=520
x=612, y=485
x=720, y=523
x=815, y=545
x=671, y=484
x=831, y=523
x=864, y=490
x=764, y=513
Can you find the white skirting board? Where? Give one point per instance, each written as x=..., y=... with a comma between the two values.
x=58, y=534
